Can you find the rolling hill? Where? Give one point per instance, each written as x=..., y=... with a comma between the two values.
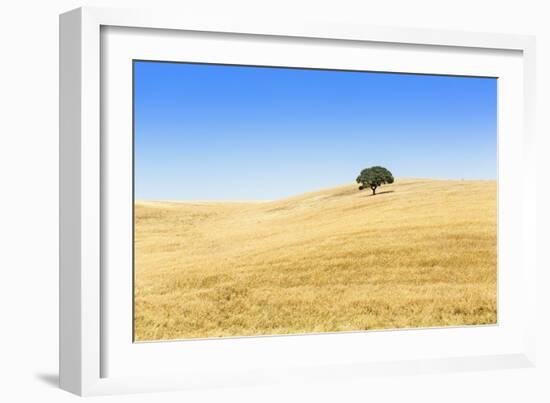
x=420, y=253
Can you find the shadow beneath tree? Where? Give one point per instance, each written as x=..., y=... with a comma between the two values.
x=381, y=193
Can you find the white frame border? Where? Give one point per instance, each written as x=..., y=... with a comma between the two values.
x=80, y=258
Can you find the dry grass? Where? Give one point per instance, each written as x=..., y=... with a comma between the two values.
x=421, y=253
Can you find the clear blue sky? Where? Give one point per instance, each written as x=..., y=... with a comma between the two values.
x=211, y=132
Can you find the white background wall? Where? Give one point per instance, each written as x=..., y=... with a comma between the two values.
x=29, y=187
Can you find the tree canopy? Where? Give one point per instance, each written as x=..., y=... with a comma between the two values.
x=374, y=177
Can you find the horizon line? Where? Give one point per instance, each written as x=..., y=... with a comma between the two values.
x=136, y=200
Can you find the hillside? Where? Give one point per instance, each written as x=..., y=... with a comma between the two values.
x=420, y=253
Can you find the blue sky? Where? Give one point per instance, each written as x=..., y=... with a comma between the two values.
x=212, y=132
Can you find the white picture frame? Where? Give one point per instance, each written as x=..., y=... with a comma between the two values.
x=96, y=354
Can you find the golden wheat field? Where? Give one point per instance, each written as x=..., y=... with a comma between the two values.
x=420, y=253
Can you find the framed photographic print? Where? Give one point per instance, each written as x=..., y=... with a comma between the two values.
x=247, y=202
x=248, y=220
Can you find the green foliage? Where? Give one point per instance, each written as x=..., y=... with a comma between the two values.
x=374, y=177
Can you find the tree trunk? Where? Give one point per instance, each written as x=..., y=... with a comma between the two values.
x=373, y=190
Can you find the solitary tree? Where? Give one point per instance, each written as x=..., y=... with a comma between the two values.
x=374, y=177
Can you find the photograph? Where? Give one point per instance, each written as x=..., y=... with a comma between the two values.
x=272, y=200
